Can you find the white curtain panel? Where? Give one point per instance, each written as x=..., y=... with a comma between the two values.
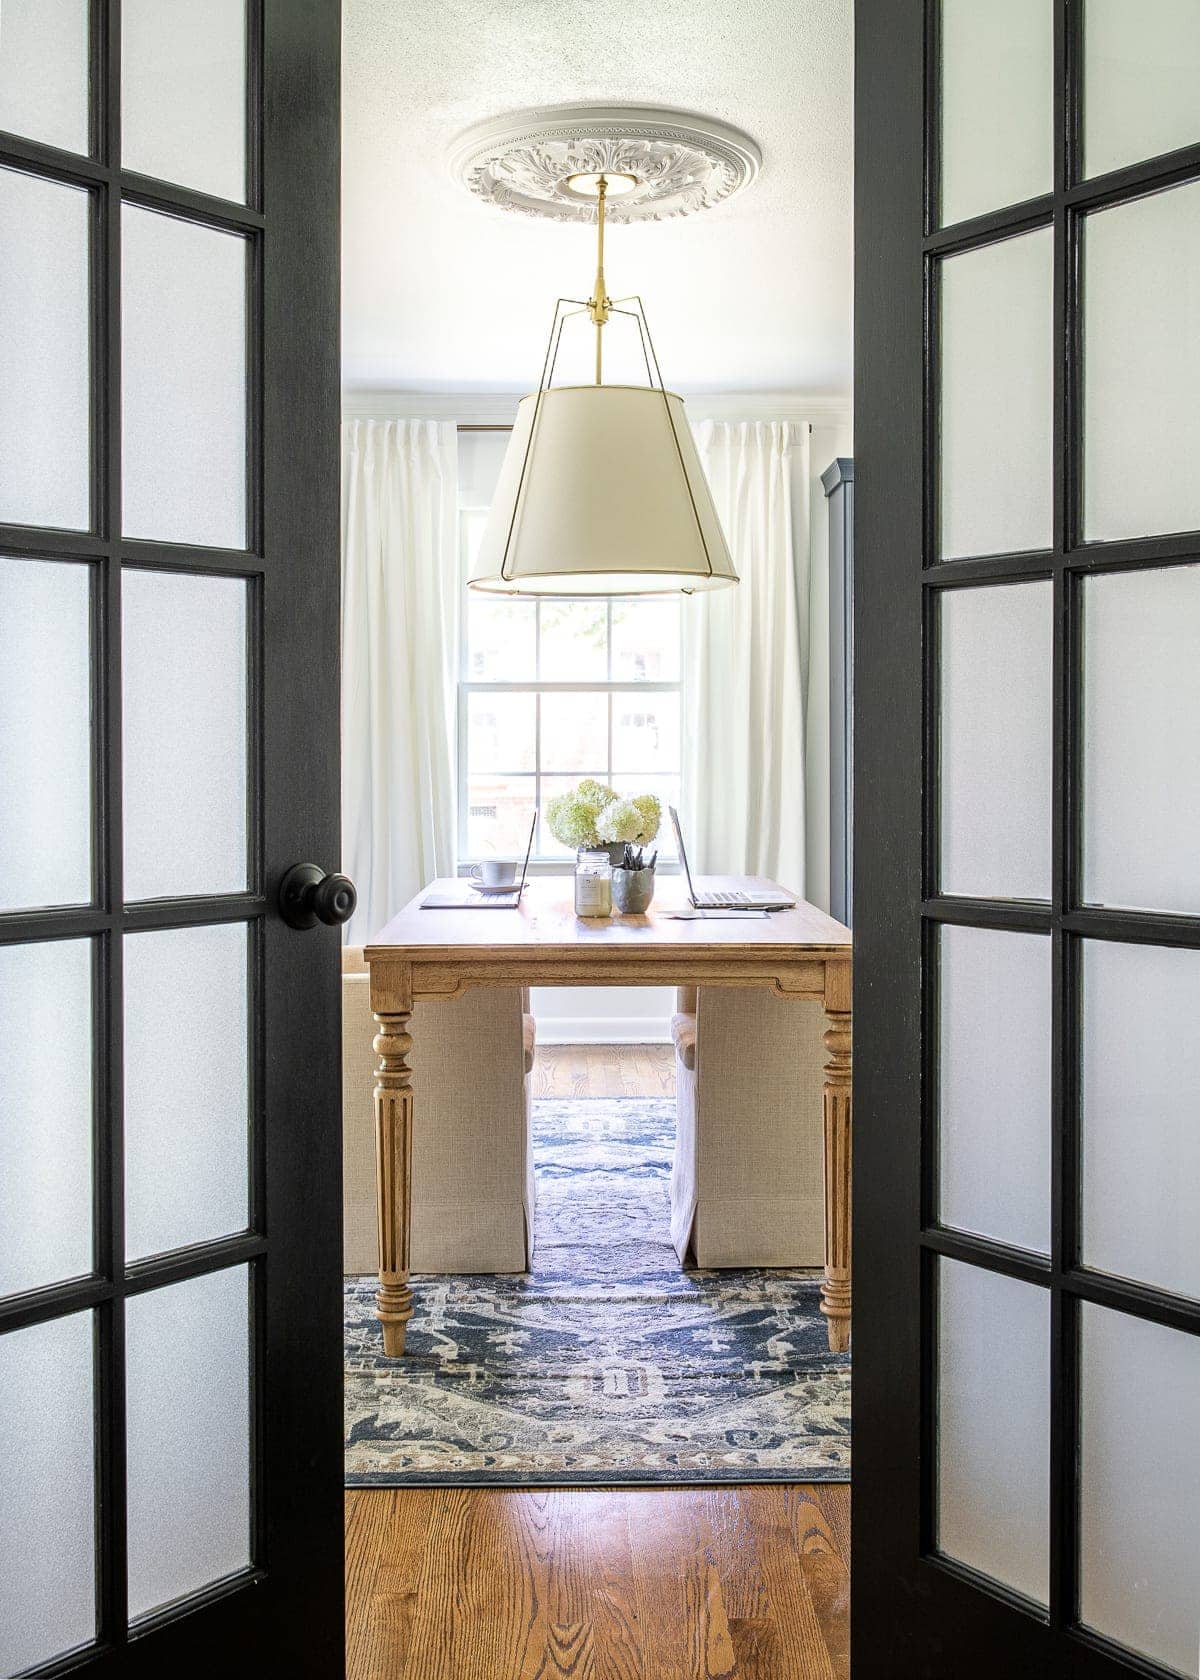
x=400, y=614
x=745, y=659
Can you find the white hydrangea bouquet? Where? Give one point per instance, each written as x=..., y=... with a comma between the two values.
x=593, y=815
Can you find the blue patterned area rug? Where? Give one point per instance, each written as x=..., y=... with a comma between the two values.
x=608, y=1363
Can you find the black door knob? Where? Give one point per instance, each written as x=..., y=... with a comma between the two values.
x=307, y=895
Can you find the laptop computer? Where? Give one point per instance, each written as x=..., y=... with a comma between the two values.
x=469, y=898
x=729, y=899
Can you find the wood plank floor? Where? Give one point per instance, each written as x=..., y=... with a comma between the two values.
x=604, y=1070
x=646, y=1584
x=748, y=1583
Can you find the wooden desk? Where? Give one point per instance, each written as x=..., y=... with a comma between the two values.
x=800, y=953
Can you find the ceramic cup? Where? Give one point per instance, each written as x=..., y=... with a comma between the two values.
x=496, y=872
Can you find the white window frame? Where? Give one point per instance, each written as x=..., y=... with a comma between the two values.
x=539, y=863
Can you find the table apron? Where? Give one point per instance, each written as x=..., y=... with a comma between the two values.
x=396, y=980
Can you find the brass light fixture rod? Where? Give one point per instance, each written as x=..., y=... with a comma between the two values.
x=600, y=304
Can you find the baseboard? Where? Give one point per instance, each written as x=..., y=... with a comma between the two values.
x=603, y=1029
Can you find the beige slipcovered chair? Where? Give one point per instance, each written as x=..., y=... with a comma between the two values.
x=746, y=1186
x=472, y=1170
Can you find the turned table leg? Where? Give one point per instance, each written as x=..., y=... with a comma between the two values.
x=835, y=1290
x=393, y=1168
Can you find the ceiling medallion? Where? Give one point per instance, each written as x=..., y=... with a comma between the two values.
x=542, y=163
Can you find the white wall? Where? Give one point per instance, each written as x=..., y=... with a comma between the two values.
x=603, y=1014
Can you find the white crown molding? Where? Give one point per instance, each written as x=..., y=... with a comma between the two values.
x=679, y=162
x=498, y=408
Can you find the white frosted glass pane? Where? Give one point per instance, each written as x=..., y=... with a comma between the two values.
x=45, y=1113
x=501, y=638
x=499, y=809
x=501, y=733
x=44, y=71
x=1141, y=72
x=993, y=1425
x=1141, y=739
x=574, y=732
x=995, y=741
x=44, y=354
x=994, y=1085
x=47, y=1498
x=183, y=92
x=45, y=743
x=573, y=641
x=186, y=1134
x=996, y=424
x=1141, y=367
x=184, y=716
x=1139, y=1486
x=1141, y=1113
x=183, y=323
x=645, y=737
x=646, y=641
x=997, y=103
x=188, y=1430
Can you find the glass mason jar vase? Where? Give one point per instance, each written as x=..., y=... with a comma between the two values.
x=593, y=884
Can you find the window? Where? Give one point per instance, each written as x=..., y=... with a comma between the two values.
x=556, y=689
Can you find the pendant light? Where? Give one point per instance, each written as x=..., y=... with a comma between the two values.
x=601, y=491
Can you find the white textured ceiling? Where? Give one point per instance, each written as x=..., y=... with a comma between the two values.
x=442, y=294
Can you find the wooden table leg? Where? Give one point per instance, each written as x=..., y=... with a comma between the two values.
x=393, y=1170
x=835, y=1290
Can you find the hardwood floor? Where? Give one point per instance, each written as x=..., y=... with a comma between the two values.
x=604, y=1070
x=741, y=1583
x=646, y=1584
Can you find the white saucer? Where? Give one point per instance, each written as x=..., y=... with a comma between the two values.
x=503, y=887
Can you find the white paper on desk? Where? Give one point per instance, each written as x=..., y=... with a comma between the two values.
x=714, y=915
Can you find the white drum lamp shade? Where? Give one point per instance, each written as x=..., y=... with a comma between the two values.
x=606, y=497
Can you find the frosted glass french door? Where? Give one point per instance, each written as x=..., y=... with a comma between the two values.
x=1027, y=1167
x=168, y=1063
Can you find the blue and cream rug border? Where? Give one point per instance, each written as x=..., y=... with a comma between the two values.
x=608, y=1364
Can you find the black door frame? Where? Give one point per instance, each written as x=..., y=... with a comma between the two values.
x=286, y=1608
x=916, y=1614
